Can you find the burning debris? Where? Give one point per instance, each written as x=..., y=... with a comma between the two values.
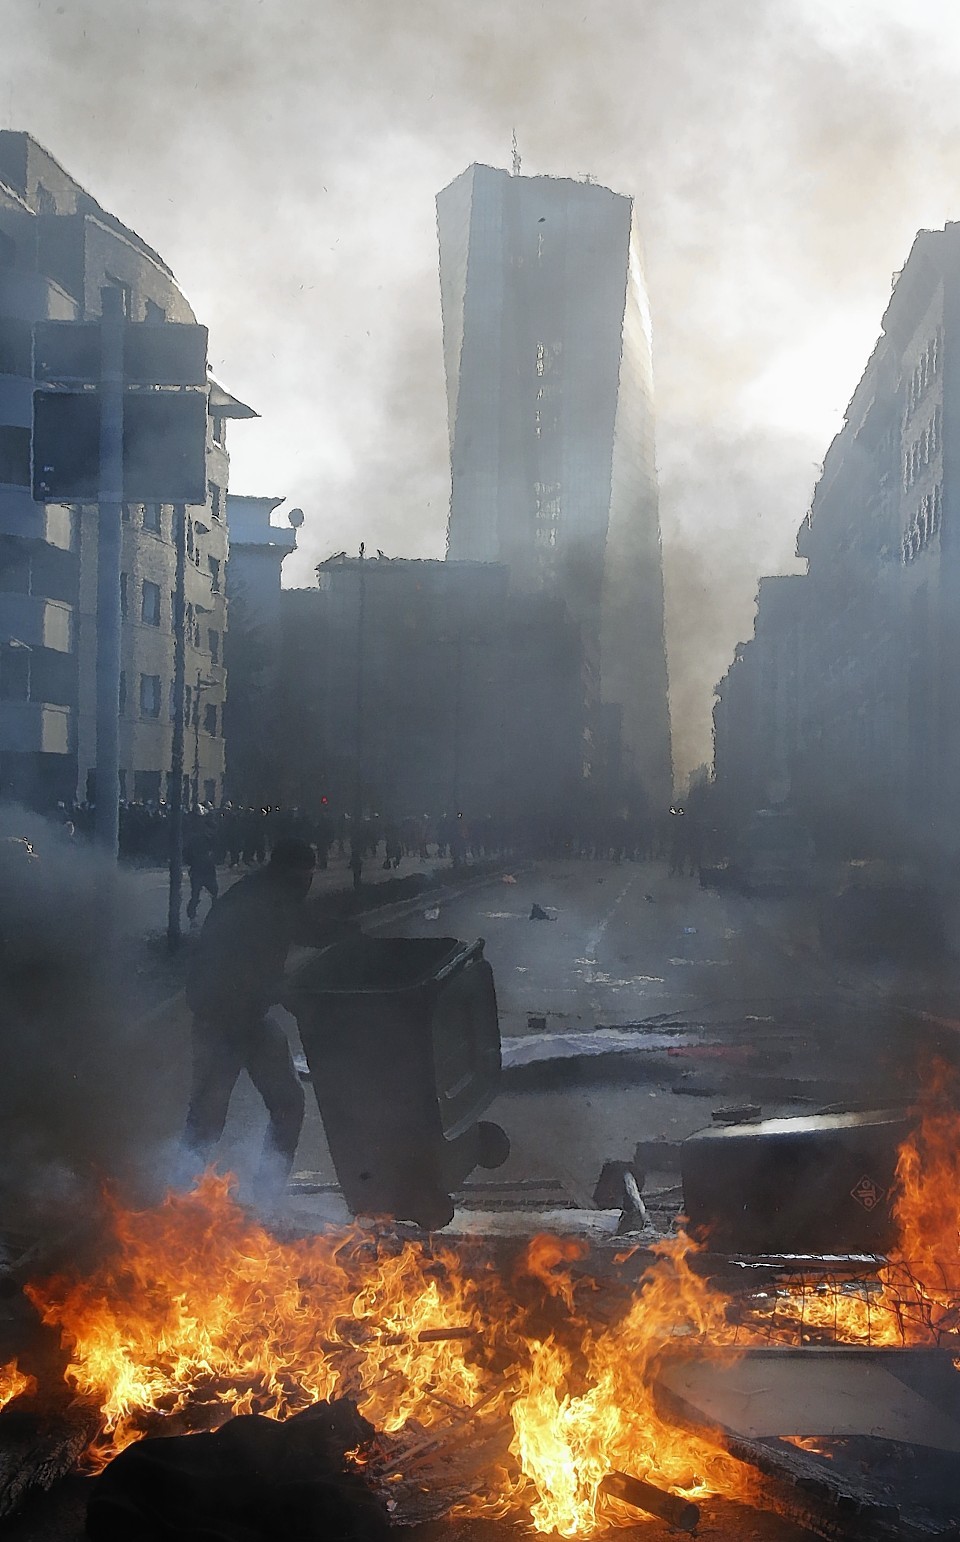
x=251, y=1481
x=495, y=1389
x=13, y=1383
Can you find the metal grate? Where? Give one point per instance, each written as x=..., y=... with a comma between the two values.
x=897, y=1309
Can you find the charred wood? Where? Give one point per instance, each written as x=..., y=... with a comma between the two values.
x=37, y=1448
x=641, y=1495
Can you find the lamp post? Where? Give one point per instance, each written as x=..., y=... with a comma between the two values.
x=359, y=705
x=109, y=543
x=202, y=685
x=322, y=569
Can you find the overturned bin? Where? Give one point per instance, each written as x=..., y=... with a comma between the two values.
x=403, y=1043
x=810, y=1183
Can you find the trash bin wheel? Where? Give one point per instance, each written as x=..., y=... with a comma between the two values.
x=494, y=1144
x=433, y=1211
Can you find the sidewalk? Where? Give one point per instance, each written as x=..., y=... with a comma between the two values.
x=150, y=886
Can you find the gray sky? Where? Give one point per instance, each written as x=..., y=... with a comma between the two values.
x=283, y=156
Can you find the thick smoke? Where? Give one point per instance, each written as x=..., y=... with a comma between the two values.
x=91, y=1079
x=284, y=159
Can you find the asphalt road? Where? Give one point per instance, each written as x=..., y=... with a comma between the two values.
x=738, y=1001
x=625, y=943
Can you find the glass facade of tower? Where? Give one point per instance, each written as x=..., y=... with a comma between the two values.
x=550, y=402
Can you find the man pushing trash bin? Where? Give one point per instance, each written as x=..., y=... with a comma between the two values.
x=235, y=976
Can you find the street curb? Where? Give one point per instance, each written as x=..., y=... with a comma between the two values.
x=399, y=908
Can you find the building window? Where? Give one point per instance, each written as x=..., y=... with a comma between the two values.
x=15, y=456
x=146, y=786
x=216, y=500
x=210, y=718
x=15, y=347
x=14, y=673
x=213, y=641
x=149, y=695
x=111, y=282
x=150, y=604
x=123, y=692
x=153, y=312
x=151, y=517
x=187, y=703
x=210, y=790
x=124, y=607
x=214, y=567
x=218, y=433
x=14, y=572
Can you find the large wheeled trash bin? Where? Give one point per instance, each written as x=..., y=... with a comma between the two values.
x=403, y=1043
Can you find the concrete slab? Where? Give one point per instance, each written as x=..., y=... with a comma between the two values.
x=903, y=1395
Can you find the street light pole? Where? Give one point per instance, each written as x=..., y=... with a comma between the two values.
x=175, y=791
x=202, y=685
x=356, y=853
x=457, y=718
x=109, y=542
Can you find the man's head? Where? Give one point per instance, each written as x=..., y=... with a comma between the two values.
x=292, y=863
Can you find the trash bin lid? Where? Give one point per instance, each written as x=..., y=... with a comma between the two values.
x=377, y=964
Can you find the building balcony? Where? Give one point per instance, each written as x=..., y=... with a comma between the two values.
x=16, y=401
x=21, y=517
x=40, y=623
x=197, y=587
x=34, y=727
x=33, y=297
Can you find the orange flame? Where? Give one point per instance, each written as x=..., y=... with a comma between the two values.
x=198, y=1303
x=566, y=1442
x=197, y=1310
x=14, y=1383
x=542, y=1258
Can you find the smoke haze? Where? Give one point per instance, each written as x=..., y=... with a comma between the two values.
x=283, y=158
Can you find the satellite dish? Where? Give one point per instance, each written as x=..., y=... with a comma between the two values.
x=295, y=519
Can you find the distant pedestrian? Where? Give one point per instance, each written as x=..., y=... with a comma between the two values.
x=200, y=855
x=357, y=849
x=254, y=826
x=678, y=842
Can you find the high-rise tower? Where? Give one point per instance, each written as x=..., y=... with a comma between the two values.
x=546, y=334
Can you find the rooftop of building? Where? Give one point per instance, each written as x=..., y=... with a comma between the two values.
x=377, y=558
x=24, y=163
x=250, y=522
x=584, y=184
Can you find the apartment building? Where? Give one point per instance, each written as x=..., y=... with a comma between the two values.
x=872, y=633
x=59, y=249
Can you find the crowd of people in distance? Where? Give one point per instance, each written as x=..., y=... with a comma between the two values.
x=239, y=838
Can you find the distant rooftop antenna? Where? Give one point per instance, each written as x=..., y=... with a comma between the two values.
x=516, y=156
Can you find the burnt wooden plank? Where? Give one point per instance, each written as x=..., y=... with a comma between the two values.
x=39, y=1448
x=799, y=1486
